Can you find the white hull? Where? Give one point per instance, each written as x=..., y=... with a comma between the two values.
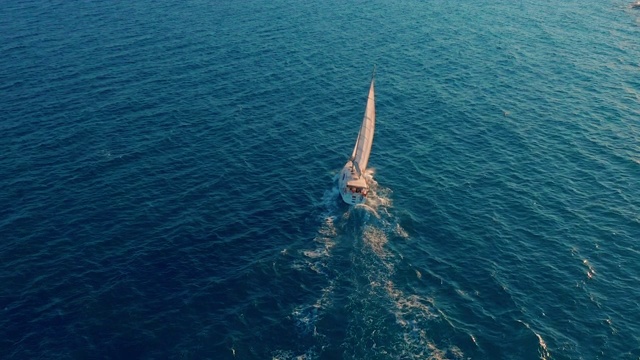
x=351, y=194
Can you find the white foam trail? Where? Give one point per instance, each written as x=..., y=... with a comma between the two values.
x=378, y=197
x=412, y=312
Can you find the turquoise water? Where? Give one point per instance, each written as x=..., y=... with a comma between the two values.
x=168, y=180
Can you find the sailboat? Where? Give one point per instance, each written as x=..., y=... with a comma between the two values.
x=352, y=184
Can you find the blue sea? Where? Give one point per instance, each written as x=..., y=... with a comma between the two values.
x=168, y=180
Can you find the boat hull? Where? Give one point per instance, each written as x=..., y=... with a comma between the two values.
x=347, y=188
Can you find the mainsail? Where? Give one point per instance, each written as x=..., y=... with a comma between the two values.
x=362, y=150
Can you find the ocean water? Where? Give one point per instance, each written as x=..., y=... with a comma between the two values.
x=168, y=190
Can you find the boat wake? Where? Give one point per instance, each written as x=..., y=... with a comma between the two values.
x=360, y=302
x=403, y=330
x=316, y=259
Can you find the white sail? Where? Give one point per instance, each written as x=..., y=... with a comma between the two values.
x=352, y=184
x=362, y=150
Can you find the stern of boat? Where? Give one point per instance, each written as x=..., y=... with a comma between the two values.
x=353, y=191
